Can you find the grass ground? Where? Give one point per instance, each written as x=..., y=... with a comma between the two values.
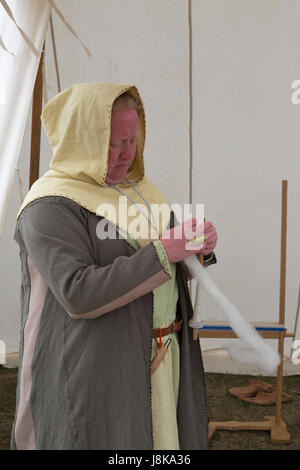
x=221, y=407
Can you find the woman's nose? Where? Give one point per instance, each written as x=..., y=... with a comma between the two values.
x=128, y=149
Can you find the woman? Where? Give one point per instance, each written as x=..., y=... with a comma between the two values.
x=95, y=310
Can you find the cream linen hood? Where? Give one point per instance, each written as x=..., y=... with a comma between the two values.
x=78, y=122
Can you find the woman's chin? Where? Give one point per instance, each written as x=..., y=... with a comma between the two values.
x=116, y=178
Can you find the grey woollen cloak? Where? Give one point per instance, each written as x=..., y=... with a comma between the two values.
x=84, y=376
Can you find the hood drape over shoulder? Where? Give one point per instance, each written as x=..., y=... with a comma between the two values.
x=78, y=125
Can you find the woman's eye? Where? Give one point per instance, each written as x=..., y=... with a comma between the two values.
x=123, y=142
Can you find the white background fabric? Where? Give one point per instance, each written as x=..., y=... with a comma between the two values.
x=246, y=130
x=18, y=72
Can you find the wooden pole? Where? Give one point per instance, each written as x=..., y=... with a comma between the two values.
x=190, y=98
x=283, y=251
x=37, y=103
x=190, y=43
x=281, y=298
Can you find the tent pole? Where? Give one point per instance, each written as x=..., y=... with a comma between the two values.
x=37, y=103
x=282, y=298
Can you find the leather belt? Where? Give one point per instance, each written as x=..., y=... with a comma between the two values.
x=160, y=332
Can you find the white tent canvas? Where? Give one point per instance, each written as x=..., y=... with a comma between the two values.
x=245, y=128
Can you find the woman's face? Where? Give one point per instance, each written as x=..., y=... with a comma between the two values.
x=124, y=131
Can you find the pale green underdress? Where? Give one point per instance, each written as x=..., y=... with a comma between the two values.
x=165, y=380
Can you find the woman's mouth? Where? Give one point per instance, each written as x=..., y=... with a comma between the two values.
x=121, y=166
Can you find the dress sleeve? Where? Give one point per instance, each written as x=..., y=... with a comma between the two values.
x=57, y=241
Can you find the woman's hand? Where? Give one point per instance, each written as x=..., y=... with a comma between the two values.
x=176, y=240
x=211, y=241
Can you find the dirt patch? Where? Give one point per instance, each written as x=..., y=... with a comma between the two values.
x=8, y=383
x=222, y=406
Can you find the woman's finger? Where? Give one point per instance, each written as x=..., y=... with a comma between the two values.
x=212, y=238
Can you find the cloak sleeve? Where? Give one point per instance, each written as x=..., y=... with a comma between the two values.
x=57, y=242
x=207, y=261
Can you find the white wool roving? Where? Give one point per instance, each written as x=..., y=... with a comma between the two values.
x=251, y=348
